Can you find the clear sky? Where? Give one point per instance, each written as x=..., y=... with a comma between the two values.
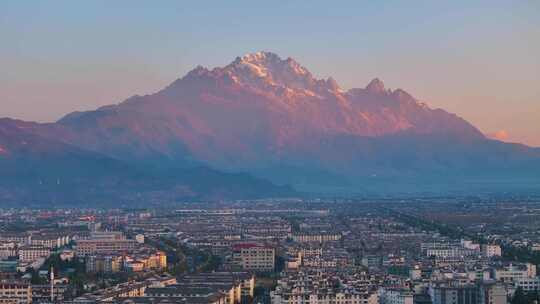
x=478, y=59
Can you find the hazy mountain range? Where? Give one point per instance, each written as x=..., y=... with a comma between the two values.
x=272, y=119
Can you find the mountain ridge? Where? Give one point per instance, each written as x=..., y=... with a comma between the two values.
x=38, y=171
x=308, y=107
x=261, y=112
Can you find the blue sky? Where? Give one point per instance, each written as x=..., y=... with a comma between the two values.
x=478, y=59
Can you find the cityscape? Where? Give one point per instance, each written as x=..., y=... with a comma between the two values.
x=436, y=250
x=269, y=152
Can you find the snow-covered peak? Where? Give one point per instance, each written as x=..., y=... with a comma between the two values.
x=259, y=57
x=269, y=70
x=265, y=72
x=265, y=64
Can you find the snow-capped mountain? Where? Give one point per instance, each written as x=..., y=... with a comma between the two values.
x=258, y=109
x=271, y=117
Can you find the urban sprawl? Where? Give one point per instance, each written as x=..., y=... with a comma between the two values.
x=287, y=251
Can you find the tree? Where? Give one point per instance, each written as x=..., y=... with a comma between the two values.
x=280, y=263
x=258, y=291
x=36, y=279
x=519, y=297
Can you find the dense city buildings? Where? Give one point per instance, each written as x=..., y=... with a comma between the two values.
x=279, y=252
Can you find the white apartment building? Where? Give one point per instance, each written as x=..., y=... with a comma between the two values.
x=316, y=237
x=7, y=250
x=251, y=256
x=395, y=296
x=492, y=293
x=32, y=253
x=514, y=272
x=15, y=293
x=451, y=252
x=491, y=250
x=85, y=247
x=104, y=242
x=50, y=241
x=528, y=284
x=351, y=297
x=470, y=245
x=319, y=287
x=457, y=293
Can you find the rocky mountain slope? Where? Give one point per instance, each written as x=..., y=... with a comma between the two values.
x=272, y=118
x=36, y=170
